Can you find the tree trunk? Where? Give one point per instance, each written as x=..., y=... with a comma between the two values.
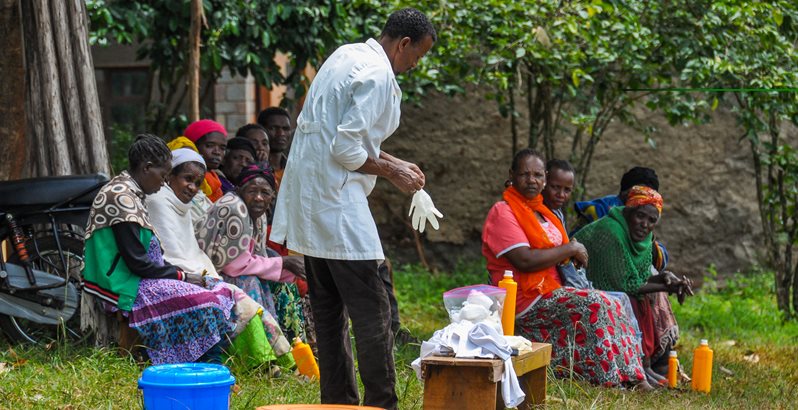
x=12, y=92
x=194, y=61
x=64, y=124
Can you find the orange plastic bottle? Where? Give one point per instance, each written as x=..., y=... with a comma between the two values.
x=702, y=367
x=508, y=311
x=303, y=356
x=673, y=369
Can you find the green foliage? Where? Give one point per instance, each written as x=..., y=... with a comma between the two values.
x=121, y=138
x=572, y=64
x=420, y=294
x=241, y=35
x=752, y=45
x=741, y=307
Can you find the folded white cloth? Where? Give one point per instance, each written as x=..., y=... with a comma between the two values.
x=480, y=340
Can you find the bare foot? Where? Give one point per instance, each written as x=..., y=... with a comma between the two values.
x=654, y=378
x=643, y=386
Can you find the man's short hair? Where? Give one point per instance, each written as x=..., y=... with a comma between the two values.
x=411, y=23
x=271, y=112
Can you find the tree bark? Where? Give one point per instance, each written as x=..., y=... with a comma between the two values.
x=12, y=92
x=194, y=61
x=64, y=125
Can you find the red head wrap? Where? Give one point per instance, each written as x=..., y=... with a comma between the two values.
x=199, y=129
x=641, y=195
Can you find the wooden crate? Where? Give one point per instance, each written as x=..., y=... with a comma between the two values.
x=473, y=384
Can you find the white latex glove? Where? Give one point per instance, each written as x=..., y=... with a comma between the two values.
x=422, y=209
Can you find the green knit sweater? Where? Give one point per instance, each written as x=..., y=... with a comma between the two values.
x=616, y=263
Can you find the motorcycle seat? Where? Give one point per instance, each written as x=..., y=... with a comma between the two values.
x=44, y=192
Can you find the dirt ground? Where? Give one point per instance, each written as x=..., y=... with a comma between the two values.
x=463, y=146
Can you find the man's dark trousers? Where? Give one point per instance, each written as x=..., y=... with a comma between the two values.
x=340, y=290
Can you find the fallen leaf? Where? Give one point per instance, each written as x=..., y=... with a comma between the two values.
x=236, y=389
x=752, y=358
x=4, y=368
x=729, y=343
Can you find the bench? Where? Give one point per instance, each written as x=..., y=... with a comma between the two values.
x=473, y=384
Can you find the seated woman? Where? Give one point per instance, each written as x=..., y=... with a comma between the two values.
x=210, y=138
x=620, y=249
x=239, y=154
x=200, y=203
x=180, y=316
x=233, y=235
x=593, y=210
x=557, y=193
x=260, y=139
x=589, y=331
x=169, y=213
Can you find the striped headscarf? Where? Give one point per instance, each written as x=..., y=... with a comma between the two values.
x=641, y=195
x=253, y=171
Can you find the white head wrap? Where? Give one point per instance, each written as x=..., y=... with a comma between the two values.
x=182, y=155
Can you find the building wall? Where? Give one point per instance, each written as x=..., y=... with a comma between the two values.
x=234, y=101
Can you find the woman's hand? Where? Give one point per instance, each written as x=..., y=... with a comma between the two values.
x=682, y=287
x=195, y=279
x=263, y=155
x=295, y=265
x=579, y=253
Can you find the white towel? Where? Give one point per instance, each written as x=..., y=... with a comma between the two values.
x=480, y=340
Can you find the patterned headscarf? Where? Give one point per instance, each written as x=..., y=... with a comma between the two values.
x=641, y=195
x=251, y=172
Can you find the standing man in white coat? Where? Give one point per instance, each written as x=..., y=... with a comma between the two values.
x=322, y=209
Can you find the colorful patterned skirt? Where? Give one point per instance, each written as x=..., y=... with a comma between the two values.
x=178, y=321
x=590, y=335
x=288, y=304
x=658, y=324
x=281, y=300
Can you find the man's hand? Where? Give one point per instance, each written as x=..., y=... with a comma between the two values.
x=295, y=265
x=406, y=176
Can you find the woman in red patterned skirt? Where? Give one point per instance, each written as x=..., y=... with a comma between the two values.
x=591, y=336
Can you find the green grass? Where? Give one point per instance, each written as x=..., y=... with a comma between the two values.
x=739, y=319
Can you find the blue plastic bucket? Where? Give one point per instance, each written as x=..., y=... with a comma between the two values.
x=195, y=386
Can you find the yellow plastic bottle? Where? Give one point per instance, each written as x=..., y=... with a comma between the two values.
x=508, y=311
x=702, y=367
x=673, y=369
x=305, y=361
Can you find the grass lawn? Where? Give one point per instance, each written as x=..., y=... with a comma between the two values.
x=758, y=353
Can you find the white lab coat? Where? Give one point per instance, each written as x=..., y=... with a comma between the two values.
x=352, y=106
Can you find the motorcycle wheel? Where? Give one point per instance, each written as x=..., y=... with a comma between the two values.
x=46, y=258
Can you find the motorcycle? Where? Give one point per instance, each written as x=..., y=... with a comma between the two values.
x=42, y=221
